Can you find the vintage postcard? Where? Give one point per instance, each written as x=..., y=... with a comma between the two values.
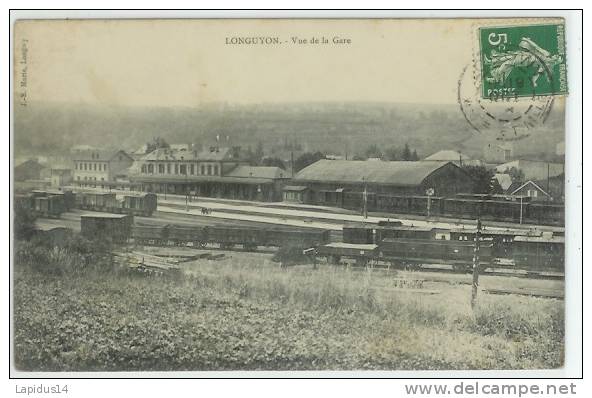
x=289, y=194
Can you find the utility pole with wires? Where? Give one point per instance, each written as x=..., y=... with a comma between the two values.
x=365, y=199
x=476, y=265
x=186, y=191
x=429, y=192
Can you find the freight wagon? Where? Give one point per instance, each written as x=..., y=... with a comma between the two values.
x=46, y=203
x=49, y=206
x=143, y=204
x=96, y=201
x=68, y=196
x=140, y=204
x=228, y=237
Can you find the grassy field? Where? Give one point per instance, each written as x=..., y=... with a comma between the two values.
x=245, y=312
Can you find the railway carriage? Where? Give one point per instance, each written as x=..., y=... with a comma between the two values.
x=228, y=237
x=300, y=238
x=415, y=252
x=404, y=232
x=540, y=252
x=361, y=253
x=358, y=233
x=542, y=213
x=364, y=233
x=465, y=208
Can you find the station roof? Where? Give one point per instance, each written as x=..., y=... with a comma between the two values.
x=295, y=188
x=407, y=173
x=101, y=155
x=104, y=215
x=214, y=154
x=270, y=172
x=182, y=179
x=540, y=239
x=361, y=246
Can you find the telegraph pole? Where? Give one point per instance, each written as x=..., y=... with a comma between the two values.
x=429, y=193
x=365, y=199
x=476, y=265
x=186, y=192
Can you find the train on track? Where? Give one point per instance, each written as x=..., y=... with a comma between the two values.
x=228, y=237
x=52, y=203
x=137, y=204
x=390, y=243
x=413, y=247
x=506, y=208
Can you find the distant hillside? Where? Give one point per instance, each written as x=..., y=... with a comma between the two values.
x=330, y=127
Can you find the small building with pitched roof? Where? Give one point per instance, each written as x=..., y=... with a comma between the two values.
x=529, y=189
x=30, y=169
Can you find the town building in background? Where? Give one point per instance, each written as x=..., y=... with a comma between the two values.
x=458, y=158
x=533, y=169
x=61, y=177
x=504, y=180
x=498, y=153
x=99, y=167
x=28, y=170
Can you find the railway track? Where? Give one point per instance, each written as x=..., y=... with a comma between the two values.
x=72, y=220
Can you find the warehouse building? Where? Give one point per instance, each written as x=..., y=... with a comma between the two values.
x=328, y=182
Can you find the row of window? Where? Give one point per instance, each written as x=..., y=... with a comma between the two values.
x=182, y=169
x=89, y=178
x=90, y=166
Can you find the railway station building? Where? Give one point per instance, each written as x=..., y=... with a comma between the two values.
x=214, y=172
x=330, y=182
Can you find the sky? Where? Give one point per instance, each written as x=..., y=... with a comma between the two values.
x=187, y=63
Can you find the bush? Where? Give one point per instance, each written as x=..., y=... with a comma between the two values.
x=290, y=255
x=76, y=255
x=24, y=222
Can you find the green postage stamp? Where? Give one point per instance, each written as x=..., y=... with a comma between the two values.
x=522, y=61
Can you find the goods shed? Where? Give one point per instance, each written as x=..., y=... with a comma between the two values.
x=344, y=183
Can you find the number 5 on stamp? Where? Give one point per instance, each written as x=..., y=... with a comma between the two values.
x=522, y=61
